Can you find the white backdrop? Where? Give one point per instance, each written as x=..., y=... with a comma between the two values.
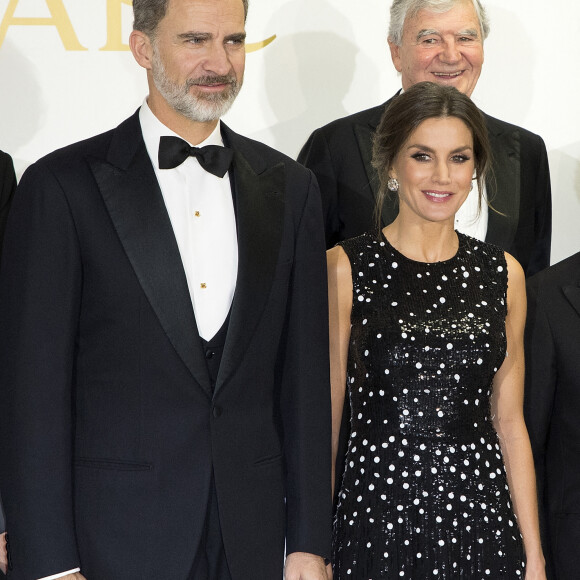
x=65, y=76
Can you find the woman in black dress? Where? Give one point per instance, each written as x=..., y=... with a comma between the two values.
x=426, y=330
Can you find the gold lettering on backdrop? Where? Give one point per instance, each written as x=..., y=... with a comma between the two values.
x=114, y=25
x=58, y=18
x=253, y=47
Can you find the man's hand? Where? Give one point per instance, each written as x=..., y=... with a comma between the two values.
x=75, y=576
x=303, y=566
x=3, y=553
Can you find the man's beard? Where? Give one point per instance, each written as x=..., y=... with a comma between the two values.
x=203, y=108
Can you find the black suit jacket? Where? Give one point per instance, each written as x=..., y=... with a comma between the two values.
x=109, y=428
x=7, y=187
x=340, y=155
x=552, y=409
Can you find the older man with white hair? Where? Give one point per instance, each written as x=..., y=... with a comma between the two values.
x=439, y=41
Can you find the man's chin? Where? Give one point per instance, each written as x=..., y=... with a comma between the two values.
x=460, y=82
x=207, y=111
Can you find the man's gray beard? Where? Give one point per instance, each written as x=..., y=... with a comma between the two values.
x=204, y=109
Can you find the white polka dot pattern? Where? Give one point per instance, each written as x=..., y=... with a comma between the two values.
x=424, y=492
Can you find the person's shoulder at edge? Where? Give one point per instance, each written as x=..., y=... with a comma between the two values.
x=366, y=238
x=264, y=152
x=565, y=271
x=95, y=145
x=366, y=117
x=499, y=126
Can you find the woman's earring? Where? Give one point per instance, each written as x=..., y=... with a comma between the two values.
x=393, y=184
x=471, y=187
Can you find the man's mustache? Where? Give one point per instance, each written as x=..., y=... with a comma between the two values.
x=213, y=80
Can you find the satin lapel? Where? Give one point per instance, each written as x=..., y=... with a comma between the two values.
x=364, y=135
x=503, y=187
x=131, y=193
x=572, y=293
x=260, y=194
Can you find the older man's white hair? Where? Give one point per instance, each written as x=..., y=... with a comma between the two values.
x=403, y=9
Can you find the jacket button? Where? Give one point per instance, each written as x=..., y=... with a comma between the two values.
x=217, y=411
x=209, y=354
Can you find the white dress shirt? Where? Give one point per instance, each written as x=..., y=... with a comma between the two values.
x=201, y=211
x=61, y=574
x=467, y=219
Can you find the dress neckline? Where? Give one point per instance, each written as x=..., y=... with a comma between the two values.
x=394, y=250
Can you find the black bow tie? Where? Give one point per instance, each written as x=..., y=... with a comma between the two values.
x=173, y=151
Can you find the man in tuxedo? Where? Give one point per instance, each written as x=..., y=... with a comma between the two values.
x=552, y=409
x=7, y=187
x=163, y=358
x=443, y=43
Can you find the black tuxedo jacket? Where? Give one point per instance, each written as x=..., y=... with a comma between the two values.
x=7, y=187
x=110, y=431
x=552, y=409
x=340, y=155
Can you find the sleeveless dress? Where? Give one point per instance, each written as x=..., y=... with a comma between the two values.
x=424, y=492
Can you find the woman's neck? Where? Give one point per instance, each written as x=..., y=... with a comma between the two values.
x=423, y=242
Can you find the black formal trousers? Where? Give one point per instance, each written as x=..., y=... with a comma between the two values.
x=552, y=410
x=113, y=439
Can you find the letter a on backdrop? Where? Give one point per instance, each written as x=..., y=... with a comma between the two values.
x=58, y=18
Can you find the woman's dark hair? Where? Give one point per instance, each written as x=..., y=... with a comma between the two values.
x=407, y=111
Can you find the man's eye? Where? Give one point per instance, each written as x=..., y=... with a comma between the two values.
x=429, y=41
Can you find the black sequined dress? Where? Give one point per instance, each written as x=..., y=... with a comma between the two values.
x=424, y=493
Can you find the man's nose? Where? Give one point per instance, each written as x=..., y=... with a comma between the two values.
x=451, y=52
x=217, y=60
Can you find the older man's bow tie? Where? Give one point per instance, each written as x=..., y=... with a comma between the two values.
x=173, y=151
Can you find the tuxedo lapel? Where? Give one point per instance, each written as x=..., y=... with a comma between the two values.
x=364, y=136
x=503, y=186
x=134, y=201
x=260, y=193
x=365, y=133
x=572, y=293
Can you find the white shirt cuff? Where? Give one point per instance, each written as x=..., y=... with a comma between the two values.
x=54, y=576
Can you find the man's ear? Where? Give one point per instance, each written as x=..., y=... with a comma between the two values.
x=141, y=47
x=395, y=55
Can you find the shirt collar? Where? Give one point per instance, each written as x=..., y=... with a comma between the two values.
x=153, y=129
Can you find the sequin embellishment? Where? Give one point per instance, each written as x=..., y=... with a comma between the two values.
x=424, y=492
